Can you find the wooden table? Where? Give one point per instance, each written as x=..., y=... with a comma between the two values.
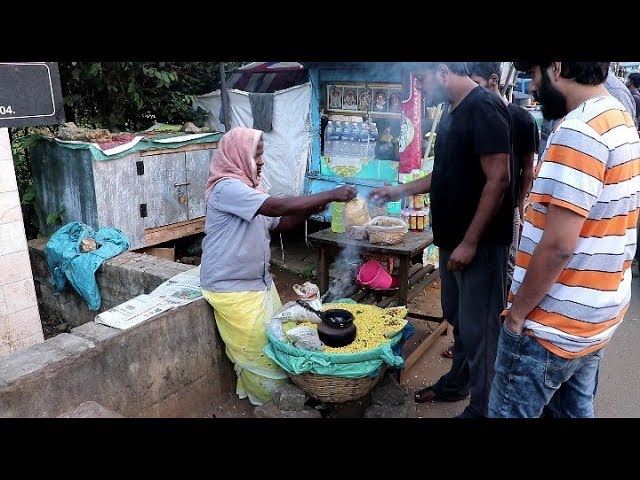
x=417, y=276
x=329, y=243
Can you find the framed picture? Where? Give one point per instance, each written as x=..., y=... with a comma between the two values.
x=364, y=99
x=379, y=99
x=334, y=97
x=350, y=99
x=395, y=97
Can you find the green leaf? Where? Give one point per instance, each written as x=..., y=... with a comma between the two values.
x=28, y=196
x=52, y=218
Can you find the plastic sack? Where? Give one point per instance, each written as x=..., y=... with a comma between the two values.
x=292, y=312
x=310, y=293
x=306, y=338
x=67, y=262
x=356, y=213
x=431, y=255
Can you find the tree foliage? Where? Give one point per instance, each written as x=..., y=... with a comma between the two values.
x=118, y=96
x=132, y=96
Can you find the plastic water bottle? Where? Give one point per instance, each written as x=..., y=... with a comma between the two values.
x=337, y=215
x=364, y=141
x=329, y=139
x=354, y=140
x=345, y=147
x=337, y=136
x=373, y=138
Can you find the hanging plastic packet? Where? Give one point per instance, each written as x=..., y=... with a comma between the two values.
x=310, y=293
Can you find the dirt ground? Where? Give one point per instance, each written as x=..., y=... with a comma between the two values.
x=430, y=366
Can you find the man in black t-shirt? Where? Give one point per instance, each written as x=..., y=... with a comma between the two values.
x=472, y=219
x=524, y=139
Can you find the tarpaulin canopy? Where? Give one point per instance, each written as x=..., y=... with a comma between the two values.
x=267, y=77
x=287, y=145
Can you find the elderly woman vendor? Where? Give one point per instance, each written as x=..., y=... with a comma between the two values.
x=234, y=274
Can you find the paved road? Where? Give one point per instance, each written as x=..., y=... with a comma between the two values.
x=618, y=393
x=619, y=388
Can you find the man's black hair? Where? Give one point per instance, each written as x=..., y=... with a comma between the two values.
x=459, y=68
x=634, y=78
x=585, y=73
x=486, y=69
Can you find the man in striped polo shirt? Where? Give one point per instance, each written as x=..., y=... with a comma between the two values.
x=572, y=281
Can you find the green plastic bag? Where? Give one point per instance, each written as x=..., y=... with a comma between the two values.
x=296, y=361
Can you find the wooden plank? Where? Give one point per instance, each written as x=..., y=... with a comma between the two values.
x=360, y=295
x=422, y=349
x=414, y=282
x=185, y=148
x=414, y=268
x=153, y=236
x=168, y=253
x=420, y=274
x=418, y=287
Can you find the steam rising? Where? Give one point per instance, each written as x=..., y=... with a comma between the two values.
x=346, y=266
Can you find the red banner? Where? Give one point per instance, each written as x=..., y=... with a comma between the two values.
x=410, y=141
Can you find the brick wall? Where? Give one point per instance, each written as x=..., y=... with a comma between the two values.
x=20, y=324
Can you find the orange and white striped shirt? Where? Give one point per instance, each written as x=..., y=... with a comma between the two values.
x=592, y=167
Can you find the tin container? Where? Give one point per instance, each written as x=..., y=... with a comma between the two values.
x=413, y=221
x=420, y=220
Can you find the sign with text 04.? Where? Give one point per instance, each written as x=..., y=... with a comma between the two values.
x=30, y=94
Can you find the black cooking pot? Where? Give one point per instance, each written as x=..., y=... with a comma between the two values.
x=336, y=328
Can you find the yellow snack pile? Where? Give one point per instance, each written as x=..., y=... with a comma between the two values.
x=345, y=170
x=374, y=325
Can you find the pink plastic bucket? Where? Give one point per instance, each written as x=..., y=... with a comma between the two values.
x=372, y=275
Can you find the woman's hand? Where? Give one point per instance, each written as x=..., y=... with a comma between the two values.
x=344, y=194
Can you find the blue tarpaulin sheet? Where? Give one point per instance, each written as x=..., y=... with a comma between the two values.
x=67, y=263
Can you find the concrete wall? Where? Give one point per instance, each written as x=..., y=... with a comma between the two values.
x=20, y=324
x=172, y=365
x=119, y=279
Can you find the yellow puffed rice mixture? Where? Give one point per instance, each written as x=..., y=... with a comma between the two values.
x=374, y=325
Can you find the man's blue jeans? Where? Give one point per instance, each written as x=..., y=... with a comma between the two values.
x=528, y=377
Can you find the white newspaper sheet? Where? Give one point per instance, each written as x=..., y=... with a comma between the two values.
x=179, y=290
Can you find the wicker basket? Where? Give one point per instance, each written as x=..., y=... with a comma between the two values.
x=357, y=232
x=327, y=388
x=386, y=230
